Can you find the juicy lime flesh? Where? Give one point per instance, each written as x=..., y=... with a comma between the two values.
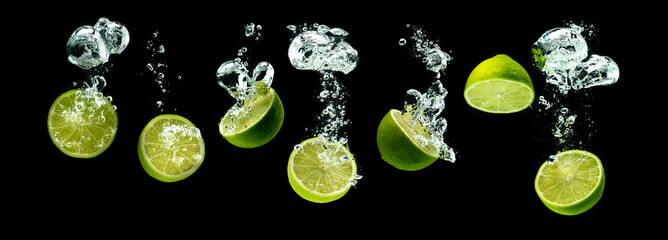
x=499, y=96
x=260, y=107
x=322, y=169
x=171, y=146
x=572, y=177
x=82, y=124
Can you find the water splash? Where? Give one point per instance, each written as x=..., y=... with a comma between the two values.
x=90, y=46
x=427, y=50
x=421, y=111
x=321, y=48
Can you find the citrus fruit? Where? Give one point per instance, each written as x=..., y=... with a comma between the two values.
x=571, y=183
x=171, y=148
x=320, y=170
x=258, y=126
x=82, y=124
x=398, y=145
x=499, y=85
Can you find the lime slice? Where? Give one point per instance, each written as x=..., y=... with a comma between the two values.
x=171, y=148
x=259, y=126
x=572, y=183
x=398, y=145
x=499, y=85
x=82, y=124
x=320, y=170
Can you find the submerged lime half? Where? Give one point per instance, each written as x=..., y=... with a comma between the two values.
x=499, y=85
x=82, y=124
x=572, y=183
x=398, y=145
x=258, y=126
x=171, y=148
x=321, y=171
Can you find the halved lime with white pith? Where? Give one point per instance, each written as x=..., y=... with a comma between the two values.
x=82, y=124
x=499, y=85
x=572, y=183
x=171, y=148
x=320, y=170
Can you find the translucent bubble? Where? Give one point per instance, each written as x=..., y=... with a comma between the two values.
x=594, y=71
x=86, y=49
x=264, y=72
x=402, y=41
x=89, y=46
x=114, y=34
x=233, y=77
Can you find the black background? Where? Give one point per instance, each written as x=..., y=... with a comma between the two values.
x=498, y=156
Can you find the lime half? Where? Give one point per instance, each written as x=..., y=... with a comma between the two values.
x=82, y=124
x=321, y=171
x=398, y=145
x=499, y=85
x=258, y=126
x=571, y=183
x=171, y=148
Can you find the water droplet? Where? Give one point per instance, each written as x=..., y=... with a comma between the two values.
x=552, y=158
x=402, y=42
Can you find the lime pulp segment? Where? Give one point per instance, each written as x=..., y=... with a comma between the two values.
x=499, y=96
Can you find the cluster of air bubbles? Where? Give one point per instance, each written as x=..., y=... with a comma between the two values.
x=422, y=111
x=563, y=127
x=241, y=84
x=90, y=46
x=427, y=50
x=177, y=138
x=318, y=47
x=563, y=55
x=253, y=31
x=542, y=101
x=156, y=66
